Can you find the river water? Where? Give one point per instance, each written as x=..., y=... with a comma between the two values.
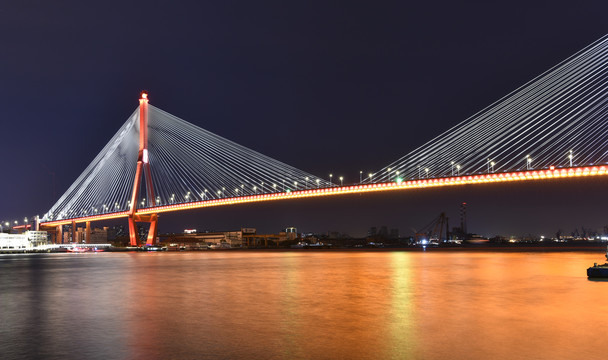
x=302, y=305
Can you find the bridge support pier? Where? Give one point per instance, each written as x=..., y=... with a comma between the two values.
x=73, y=231
x=152, y=232
x=59, y=234
x=133, y=237
x=88, y=232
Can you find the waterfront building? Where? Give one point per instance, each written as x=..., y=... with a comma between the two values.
x=230, y=239
x=292, y=233
x=233, y=238
x=26, y=241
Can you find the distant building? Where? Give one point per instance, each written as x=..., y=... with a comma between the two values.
x=394, y=234
x=233, y=238
x=334, y=235
x=246, y=237
x=291, y=233
x=373, y=231
x=116, y=231
x=98, y=235
x=383, y=231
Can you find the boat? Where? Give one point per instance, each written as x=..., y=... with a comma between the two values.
x=599, y=270
x=78, y=249
x=153, y=248
x=83, y=249
x=220, y=246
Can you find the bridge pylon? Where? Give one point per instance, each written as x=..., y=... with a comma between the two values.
x=143, y=170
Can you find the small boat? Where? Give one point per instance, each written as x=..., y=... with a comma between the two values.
x=599, y=270
x=153, y=248
x=220, y=246
x=78, y=249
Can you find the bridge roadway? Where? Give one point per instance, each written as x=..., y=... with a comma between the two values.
x=527, y=175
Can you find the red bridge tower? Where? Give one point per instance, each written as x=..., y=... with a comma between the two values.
x=142, y=164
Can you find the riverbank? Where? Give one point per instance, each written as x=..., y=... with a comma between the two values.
x=533, y=247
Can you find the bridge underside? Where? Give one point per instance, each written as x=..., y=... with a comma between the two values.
x=530, y=175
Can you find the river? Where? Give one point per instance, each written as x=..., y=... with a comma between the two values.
x=302, y=305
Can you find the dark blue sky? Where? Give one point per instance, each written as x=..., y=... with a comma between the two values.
x=323, y=86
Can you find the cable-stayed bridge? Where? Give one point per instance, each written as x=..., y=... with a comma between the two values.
x=551, y=127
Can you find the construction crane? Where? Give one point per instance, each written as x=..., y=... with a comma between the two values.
x=433, y=234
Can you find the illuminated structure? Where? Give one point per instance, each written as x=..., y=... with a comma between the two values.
x=142, y=164
x=177, y=163
x=20, y=242
x=360, y=188
x=552, y=127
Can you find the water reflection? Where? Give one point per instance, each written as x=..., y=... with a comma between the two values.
x=300, y=305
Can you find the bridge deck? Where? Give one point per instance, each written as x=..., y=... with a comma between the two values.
x=356, y=189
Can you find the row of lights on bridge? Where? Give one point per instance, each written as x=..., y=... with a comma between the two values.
x=205, y=195
x=221, y=193
x=456, y=168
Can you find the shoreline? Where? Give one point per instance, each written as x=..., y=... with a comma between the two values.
x=600, y=248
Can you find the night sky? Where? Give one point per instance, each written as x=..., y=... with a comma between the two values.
x=324, y=86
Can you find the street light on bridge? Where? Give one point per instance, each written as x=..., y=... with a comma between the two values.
x=570, y=157
x=528, y=162
x=370, y=177
x=341, y=178
x=452, y=168
x=458, y=170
